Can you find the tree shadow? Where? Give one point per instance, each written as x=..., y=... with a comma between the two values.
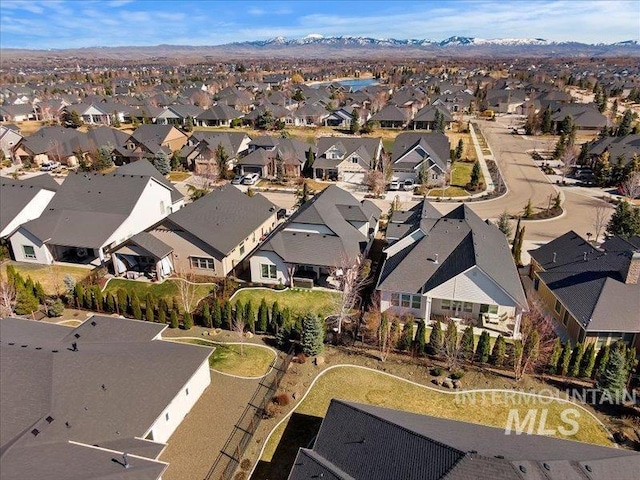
x=299, y=433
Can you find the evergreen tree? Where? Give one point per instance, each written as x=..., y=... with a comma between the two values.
x=78, y=295
x=545, y=125
x=504, y=224
x=250, y=316
x=228, y=315
x=532, y=347
x=475, y=175
x=149, y=315
x=71, y=119
x=88, y=299
x=576, y=360
x=420, y=340
x=484, y=347
x=38, y=291
x=110, y=303
x=275, y=317
x=187, y=321
x=136, y=311
x=206, y=315
x=624, y=128
x=162, y=316
x=313, y=332
x=450, y=343
x=601, y=360
x=406, y=340
x=436, y=338
x=459, y=150
x=150, y=301
x=467, y=343
x=565, y=359
x=216, y=314
x=613, y=380
x=439, y=121
x=588, y=362
x=499, y=351
x=354, y=127
x=625, y=220
x=602, y=170
x=188, y=124
x=162, y=163
x=26, y=301
x=554, y=358
x=527, y=212
x=263, y=316
x=174, y=319
x=123, y=301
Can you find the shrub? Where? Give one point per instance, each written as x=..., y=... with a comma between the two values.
x=457, y=375
x=437, y=371
x=174, y=319
x=55, y=307
x=282, y=399
x=187, y=322
x=313, y=332
x=270, y=410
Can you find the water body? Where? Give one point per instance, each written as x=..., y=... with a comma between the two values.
x=353, y=83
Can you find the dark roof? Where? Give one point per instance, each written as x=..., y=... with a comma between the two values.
x=43, y=180
x=146, y=168
x=15, y=195
x=458, y=241
x=151, y=244
x=220, y=112
x=589, y=282
x=625, y=147
x=108, y=393
x=411, y=149
x=153, y=133
x=364, y=442
x=390, y=113
x=224, y=218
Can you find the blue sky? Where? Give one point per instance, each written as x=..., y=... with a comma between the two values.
x=87, y=23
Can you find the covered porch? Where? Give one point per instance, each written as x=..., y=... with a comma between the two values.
x=142, y=255
x=77, y=255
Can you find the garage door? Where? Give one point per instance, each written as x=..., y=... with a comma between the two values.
x=249, y=169
x=357, y=178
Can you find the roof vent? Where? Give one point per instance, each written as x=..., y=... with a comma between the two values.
x=35, y=432
x=93, y=323
x=584, y=256
x=49, y=419
x=546, y=466
x=24, y=346
x=588, y=468
x=77, y=335
x=499, y=456
x=555, y=255
x=522, y=469
x=12, y=343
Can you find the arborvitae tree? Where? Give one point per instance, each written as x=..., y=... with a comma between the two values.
x=601, y=360
x=354, y=127
x=216, y=316
x=275, y=317
x=420, y=340
x=149, y=314
x=123, y=301
x=406, y=340
x=504, y=224
x=450, y=343
x=313, y=332
x=78, y=295
x=250, y=316
x=206, y=315
x=110, y=303
x=228, y=315
x=263, y=316
x=565, y=359
x=631, y=358
x=532, y=347
x=499, y=351
x=467, y=343
x=527, y=212
x=174, y=319
x=588, y=362
x=545, y=125
x=613, y=380
x=436, y=338
x=238, y=313
x=439, y=122
x=459, y=149
x=97, y=297
x=474, y=180
x=38, y=291
x=88, y=299
x=484, y=347
x=514, y=354
x=150, y=301
x=162, y=316
x=554, y=358
x=136, y=311
x=187, y=321
x=576, y=360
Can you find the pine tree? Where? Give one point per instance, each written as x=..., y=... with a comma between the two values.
x=625, y=221
x=174, y=319
x=250, y=317
x=565, y=359
x=624, y=128
x=313, y=332
x=474, y=180
x=588, y=362
x=162, y=163
x=467, y=343
x=187, y=321
x=504, y=224
x=613, y=380
x=499, y=351
x=206, y=315
x=26, y=301
x=436, y=338
x=576, y=360
x=484, y=347
x=420, y=340
x=136, y=311
x=601, y=360
x=545, y=125
x=216, y=314
x=162, y=316
x=554, y=358
x=263, y=316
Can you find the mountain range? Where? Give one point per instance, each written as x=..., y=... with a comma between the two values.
x=316, y=46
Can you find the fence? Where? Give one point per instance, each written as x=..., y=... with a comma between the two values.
x=229, y=458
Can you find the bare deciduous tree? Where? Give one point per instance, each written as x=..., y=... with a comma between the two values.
x=201, y=99
x=630, y=188
x=600, y=219
x=374, y=180
x=569, y=158
x=387, y=168
x=54, y=276
x=353, y=276
x=239, y=327
x=7, y=297
x=187, y=290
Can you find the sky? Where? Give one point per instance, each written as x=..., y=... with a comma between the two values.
x=45, y=24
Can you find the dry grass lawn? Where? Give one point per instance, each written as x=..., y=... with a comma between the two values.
x=50, y=276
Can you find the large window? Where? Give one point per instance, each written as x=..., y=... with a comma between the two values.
x=558, y=306
x=406, y=300
x=199, y=262
x=445, y=304
x=268, y=271
x=492, y=309
x=29, y=251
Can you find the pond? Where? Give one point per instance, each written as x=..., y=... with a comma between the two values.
x=353, y=83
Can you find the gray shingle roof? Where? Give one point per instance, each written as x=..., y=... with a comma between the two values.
x=145, y=167
x=151, y=244
x=108, y=393
x=435, y=145
x=365, y=442
x=15, y=195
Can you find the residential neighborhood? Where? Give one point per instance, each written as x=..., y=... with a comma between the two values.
x=353, y=254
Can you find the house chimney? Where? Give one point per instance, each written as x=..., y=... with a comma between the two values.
x=435, y=260
x=125, y=460
x=632, y=276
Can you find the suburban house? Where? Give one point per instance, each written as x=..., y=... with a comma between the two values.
x=340, y=118
x=392, y=116
x=593, y=292
x=331, y=230
x=21, y=201
x=219, y=115
x=366, y=442
x=97, y=401
x=209, y=237
x=17, y=113
x=90, y=213
x=10, y=138
x=624, y=148
x=266, y=151
x=585, y=117
x=91, y=114
x=178, y=115
x=413, y=152
x=145, y=168
x=346, y=159
x=201, y=150
x=425, y=119
x=452, y=265
x=149, y=141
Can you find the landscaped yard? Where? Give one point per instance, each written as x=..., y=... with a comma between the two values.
x=49, y=276
x=244, y=361
x=448, y=192
x=298, y=301
x=165, y=290
x=178, y=176
x=366, y=386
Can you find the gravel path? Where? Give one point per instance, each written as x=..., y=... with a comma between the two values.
x=195, y=445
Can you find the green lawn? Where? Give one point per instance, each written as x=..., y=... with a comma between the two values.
x=50, y=276
x=245, y=361
x=299, y=301
x=448, y=192
x=365, y=386
x=461, y=174
x=166, y=290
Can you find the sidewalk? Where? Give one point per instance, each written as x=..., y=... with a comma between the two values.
x=483, y=163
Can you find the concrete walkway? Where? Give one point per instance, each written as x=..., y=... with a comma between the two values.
x=483, y=163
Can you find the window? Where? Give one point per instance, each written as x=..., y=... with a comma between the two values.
x=198, y=262
x=628, y=338
x=416, y=301
x=242, y=248
x=29, y=251
x=565, y=318
x=268, y=271
x=558, y=306
x=445, y=304
x=395, y=299
x=467, y=307
x=536, y=283
x=354, y=159
x=492, y=309
x=405, y=300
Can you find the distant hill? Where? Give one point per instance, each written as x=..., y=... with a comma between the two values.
x=318, y=47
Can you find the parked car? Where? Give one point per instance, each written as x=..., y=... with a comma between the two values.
x=394, y=185
x=49, y=166
x=408, y=184
x=250, y=179
x=237, y=180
